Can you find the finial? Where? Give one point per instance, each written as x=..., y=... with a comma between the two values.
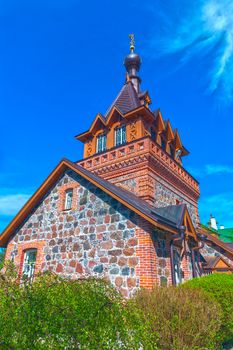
x=132, y=42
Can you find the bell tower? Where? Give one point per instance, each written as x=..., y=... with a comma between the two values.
x=132, y=146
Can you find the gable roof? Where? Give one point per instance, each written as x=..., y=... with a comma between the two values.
x=126, y=100
x=213, y=261
x=168, y=218
x=213, y=239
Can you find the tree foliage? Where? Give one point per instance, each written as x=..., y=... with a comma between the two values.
x=53, y=313
x=220, y=288
x=185, y=319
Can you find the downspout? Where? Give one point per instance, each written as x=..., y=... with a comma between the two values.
x=175, y=238
x=203, y=238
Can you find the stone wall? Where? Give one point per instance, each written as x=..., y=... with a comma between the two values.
x=164, y=196
x=97, y=238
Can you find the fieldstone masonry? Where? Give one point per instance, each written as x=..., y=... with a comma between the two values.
x=97, y=238
x=165, y=196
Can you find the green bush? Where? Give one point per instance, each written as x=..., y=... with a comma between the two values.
x=54, y=313
x=220, y=288
x=2, y=255
x=185, y=319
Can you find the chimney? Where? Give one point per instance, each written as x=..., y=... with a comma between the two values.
x=213, y=222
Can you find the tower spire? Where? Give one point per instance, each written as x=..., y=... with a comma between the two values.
x=132, y=42
x=132, y=64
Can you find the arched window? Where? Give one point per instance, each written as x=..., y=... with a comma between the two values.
x=68, y=199
x=29, y=264
x=101, y=143
x=120, y=135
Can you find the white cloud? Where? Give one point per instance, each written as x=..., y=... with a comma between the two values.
x=218, y=169
x=203, y=28
x=211, y=169
x=12, y=203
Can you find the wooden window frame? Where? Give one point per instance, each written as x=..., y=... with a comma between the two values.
x=122, y=142
x=103, y=139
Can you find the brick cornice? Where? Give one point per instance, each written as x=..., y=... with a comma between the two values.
x=142, y=153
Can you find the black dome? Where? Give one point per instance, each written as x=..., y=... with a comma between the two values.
x=132, y=60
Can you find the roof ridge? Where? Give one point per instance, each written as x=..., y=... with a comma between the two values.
x=126, y=100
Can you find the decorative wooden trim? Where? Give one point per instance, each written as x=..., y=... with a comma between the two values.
x=22, y=248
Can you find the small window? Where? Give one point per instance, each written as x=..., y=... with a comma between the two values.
x=120, y=136
x=172, y=151
x=29, y=264
x=101, y=143
x=163, y=144
x=153, y=134
x=68, y=199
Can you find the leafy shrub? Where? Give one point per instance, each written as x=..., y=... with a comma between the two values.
x=2, y=254
x=220, y=288
x=185, y=319
x=54, y=313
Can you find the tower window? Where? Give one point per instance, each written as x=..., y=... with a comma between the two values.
x=153, y=134
x=29, y=263
x=68, y=199
x=120, y=135
x=101, y=143
x=163, y=144
x=172, y=151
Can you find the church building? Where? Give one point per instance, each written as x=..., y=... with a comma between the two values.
x=128, y=211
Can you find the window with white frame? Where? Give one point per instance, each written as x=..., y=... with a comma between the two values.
x=68, y=199
x=29, y=263
x=120, y=135
x=101, y=143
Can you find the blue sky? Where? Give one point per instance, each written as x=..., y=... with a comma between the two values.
x=61, y=63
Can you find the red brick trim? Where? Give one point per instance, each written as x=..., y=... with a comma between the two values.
x=145, y=251
x=62, y=195
x=22, y=247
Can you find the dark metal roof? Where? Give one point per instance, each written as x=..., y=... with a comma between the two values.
x=173, y=213
x=230, y=245
x=127, y=99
